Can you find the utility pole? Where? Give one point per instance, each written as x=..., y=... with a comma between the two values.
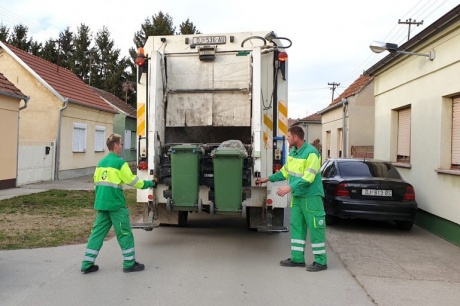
x=334, y=86
x=410, y=22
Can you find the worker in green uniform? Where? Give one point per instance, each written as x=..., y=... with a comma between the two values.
x=307, y=211
x=110, y=175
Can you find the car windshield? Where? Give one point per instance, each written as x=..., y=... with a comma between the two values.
x=368, y=169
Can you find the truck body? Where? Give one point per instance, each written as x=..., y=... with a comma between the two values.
x=212, y=118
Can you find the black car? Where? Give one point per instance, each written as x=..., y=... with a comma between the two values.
x=367, y=189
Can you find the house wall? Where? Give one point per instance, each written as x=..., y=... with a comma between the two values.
x=74, y=164
x=361, y=121
x=121, y=124
x=427, y=86
x=40, y=119
x=312, y=130
x=9, y=109
x=332, y=121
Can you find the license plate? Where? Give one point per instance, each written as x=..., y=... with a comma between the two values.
x=377, y=192
x=205, y=40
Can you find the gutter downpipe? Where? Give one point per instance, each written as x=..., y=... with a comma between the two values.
x=58, y=142
x=26, y=100
x=344, y=103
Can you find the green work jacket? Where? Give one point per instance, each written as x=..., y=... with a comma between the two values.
x=302, y=171
x=110, y=175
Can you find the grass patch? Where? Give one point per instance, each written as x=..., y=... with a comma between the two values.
x=53, y=218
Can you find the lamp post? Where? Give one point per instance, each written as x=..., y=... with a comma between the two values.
x=378, y=47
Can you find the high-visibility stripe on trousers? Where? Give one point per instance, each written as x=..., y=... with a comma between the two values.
x=121, y=224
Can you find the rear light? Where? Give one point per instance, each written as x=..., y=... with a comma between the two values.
x=277, y=167
x=140, y=59
x=341, y=190
x=269, y=201
x=410, y=194
x=142, y=165
x=282, y=56
x=150, y=197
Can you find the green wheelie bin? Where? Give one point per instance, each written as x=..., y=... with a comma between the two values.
x=185, y=167
x=228, y=177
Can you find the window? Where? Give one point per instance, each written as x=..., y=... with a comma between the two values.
x=99, y=139
x=133, y=140
x=339, y=141
x=455, y=160
x=79, y=137
x=130, y=140
x=328, y=144
x=404, y=123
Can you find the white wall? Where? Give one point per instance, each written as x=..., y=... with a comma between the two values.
x=427, y=86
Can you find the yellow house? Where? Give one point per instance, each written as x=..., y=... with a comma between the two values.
x=417, y=120
x=10, y=100
x=64, y=128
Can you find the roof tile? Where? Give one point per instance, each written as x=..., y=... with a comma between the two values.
x=8, y=88
x=65, y=82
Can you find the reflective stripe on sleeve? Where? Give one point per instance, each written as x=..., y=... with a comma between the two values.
x=134, y=181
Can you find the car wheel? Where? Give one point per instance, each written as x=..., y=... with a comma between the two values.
x=331, y=220
x=404, y=225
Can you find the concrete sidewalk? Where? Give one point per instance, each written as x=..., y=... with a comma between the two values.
x=78, y=183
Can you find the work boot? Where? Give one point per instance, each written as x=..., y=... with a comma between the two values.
x=315, y=267
x=92, y=268
x=135, y=268
x=289, y=263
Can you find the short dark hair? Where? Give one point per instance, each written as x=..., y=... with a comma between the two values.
x=112, y=140
x=297, y=131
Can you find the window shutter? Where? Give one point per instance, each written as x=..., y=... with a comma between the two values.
x=456, y=132
x=404, y=120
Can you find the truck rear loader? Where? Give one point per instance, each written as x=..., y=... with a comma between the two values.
x=212, y=118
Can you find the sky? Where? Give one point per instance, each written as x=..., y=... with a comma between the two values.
x=330, y=38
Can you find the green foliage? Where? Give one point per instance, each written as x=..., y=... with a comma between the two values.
x=94, y=58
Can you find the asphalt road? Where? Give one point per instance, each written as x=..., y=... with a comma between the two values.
x=216, y=261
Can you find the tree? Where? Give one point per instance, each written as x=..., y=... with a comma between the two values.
x=66, y=48
x=83, y=56
x=50, y=51
x=187, y=27
x=36, y=48
x=110, y=69
x=18, y=38
x=4, y=32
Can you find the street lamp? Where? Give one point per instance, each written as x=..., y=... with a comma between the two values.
x=378, y=47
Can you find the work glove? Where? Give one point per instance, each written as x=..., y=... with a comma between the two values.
x=154, y=184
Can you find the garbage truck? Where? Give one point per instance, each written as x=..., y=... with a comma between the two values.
x=211, y=119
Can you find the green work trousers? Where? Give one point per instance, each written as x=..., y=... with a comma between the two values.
x=307, y=213
x=122, y=226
